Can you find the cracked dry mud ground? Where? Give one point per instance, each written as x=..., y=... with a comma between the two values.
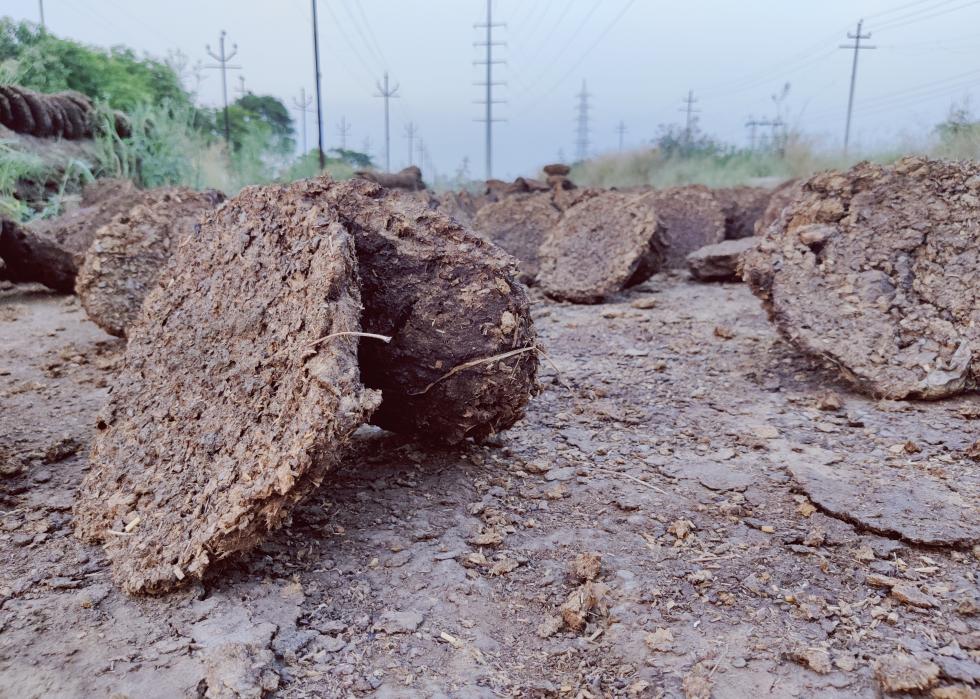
x=673, y=450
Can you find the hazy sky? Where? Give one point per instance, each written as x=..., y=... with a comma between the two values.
x=639, y=58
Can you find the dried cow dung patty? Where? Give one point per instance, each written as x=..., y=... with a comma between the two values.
x=692, y=217
x=598, y=247
x=518, y=225
x=231, y=405
x=127, y=254
x=877, y=270
x=462, y=361
x=743, y=207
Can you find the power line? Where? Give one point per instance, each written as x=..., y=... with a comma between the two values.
x=387, y=93
x=360, y=8
x=364, y=40
x=581, y=59
x=921, y=15
x=857, y=48
x=222, y=58
x=368, y=70
x=564, y=48
x=488, y=84
x=582, y=125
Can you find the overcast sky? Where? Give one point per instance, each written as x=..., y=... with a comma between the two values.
x=638, y=58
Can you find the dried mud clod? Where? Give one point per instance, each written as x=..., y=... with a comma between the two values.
x=230, y=405
x=692, y=218
x=877, y=271
x=603, y=243
x=128, y=252
x=462, y=361
x=518, y=225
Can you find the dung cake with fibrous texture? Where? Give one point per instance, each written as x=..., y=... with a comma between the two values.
x=691, y=216
x=877, y=271
x=239, y=389
x=603, y=243
x=127, y=253
x=462, y=362
x=518, y=224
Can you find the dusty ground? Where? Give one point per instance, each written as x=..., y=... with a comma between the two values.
x=733, y=507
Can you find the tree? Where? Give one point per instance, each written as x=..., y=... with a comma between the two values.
x=118, y=76
x=251, y=114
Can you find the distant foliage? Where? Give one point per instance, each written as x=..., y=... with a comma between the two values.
x=36, y=59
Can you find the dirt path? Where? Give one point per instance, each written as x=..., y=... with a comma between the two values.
x=749, y=531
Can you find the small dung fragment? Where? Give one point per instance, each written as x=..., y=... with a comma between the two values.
x=586, y=566
x=582, y=603
x=660, y=641
x=901, y=672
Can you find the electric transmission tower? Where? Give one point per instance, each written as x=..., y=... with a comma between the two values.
x=343, y=130
x=410, y=133
x=222, y=59
x=582, y=125
x=857, y=38
x=690, y=120
x=303, y=104
x=621, y=131
x=387, y=93
x=488, y=84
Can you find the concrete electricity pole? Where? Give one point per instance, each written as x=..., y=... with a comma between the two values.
x=303, y=105
x=410, y=132
x=222, y=58
x=621, y=131
x=241, y=86
x=689, y=120
x=343, y=130
x=387, y=93
x=40, y=7
x=316, y=68
x=857, y=37
x=421, y=152
x=582, y=125
x=488, y=84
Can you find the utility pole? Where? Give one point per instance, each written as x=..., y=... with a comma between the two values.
x=222, y=58
x=316, y=68
x=752, y=125
x=40, y=7
x=690, y=120
x=366, y=146
x=621, y=131
x=303, y=105
x=387, y=93
x=488, y=84
x=582, y=125
x=857, y=37
x=410, y=133
x=421, y=152
x=343, y=129
x=241, y=86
